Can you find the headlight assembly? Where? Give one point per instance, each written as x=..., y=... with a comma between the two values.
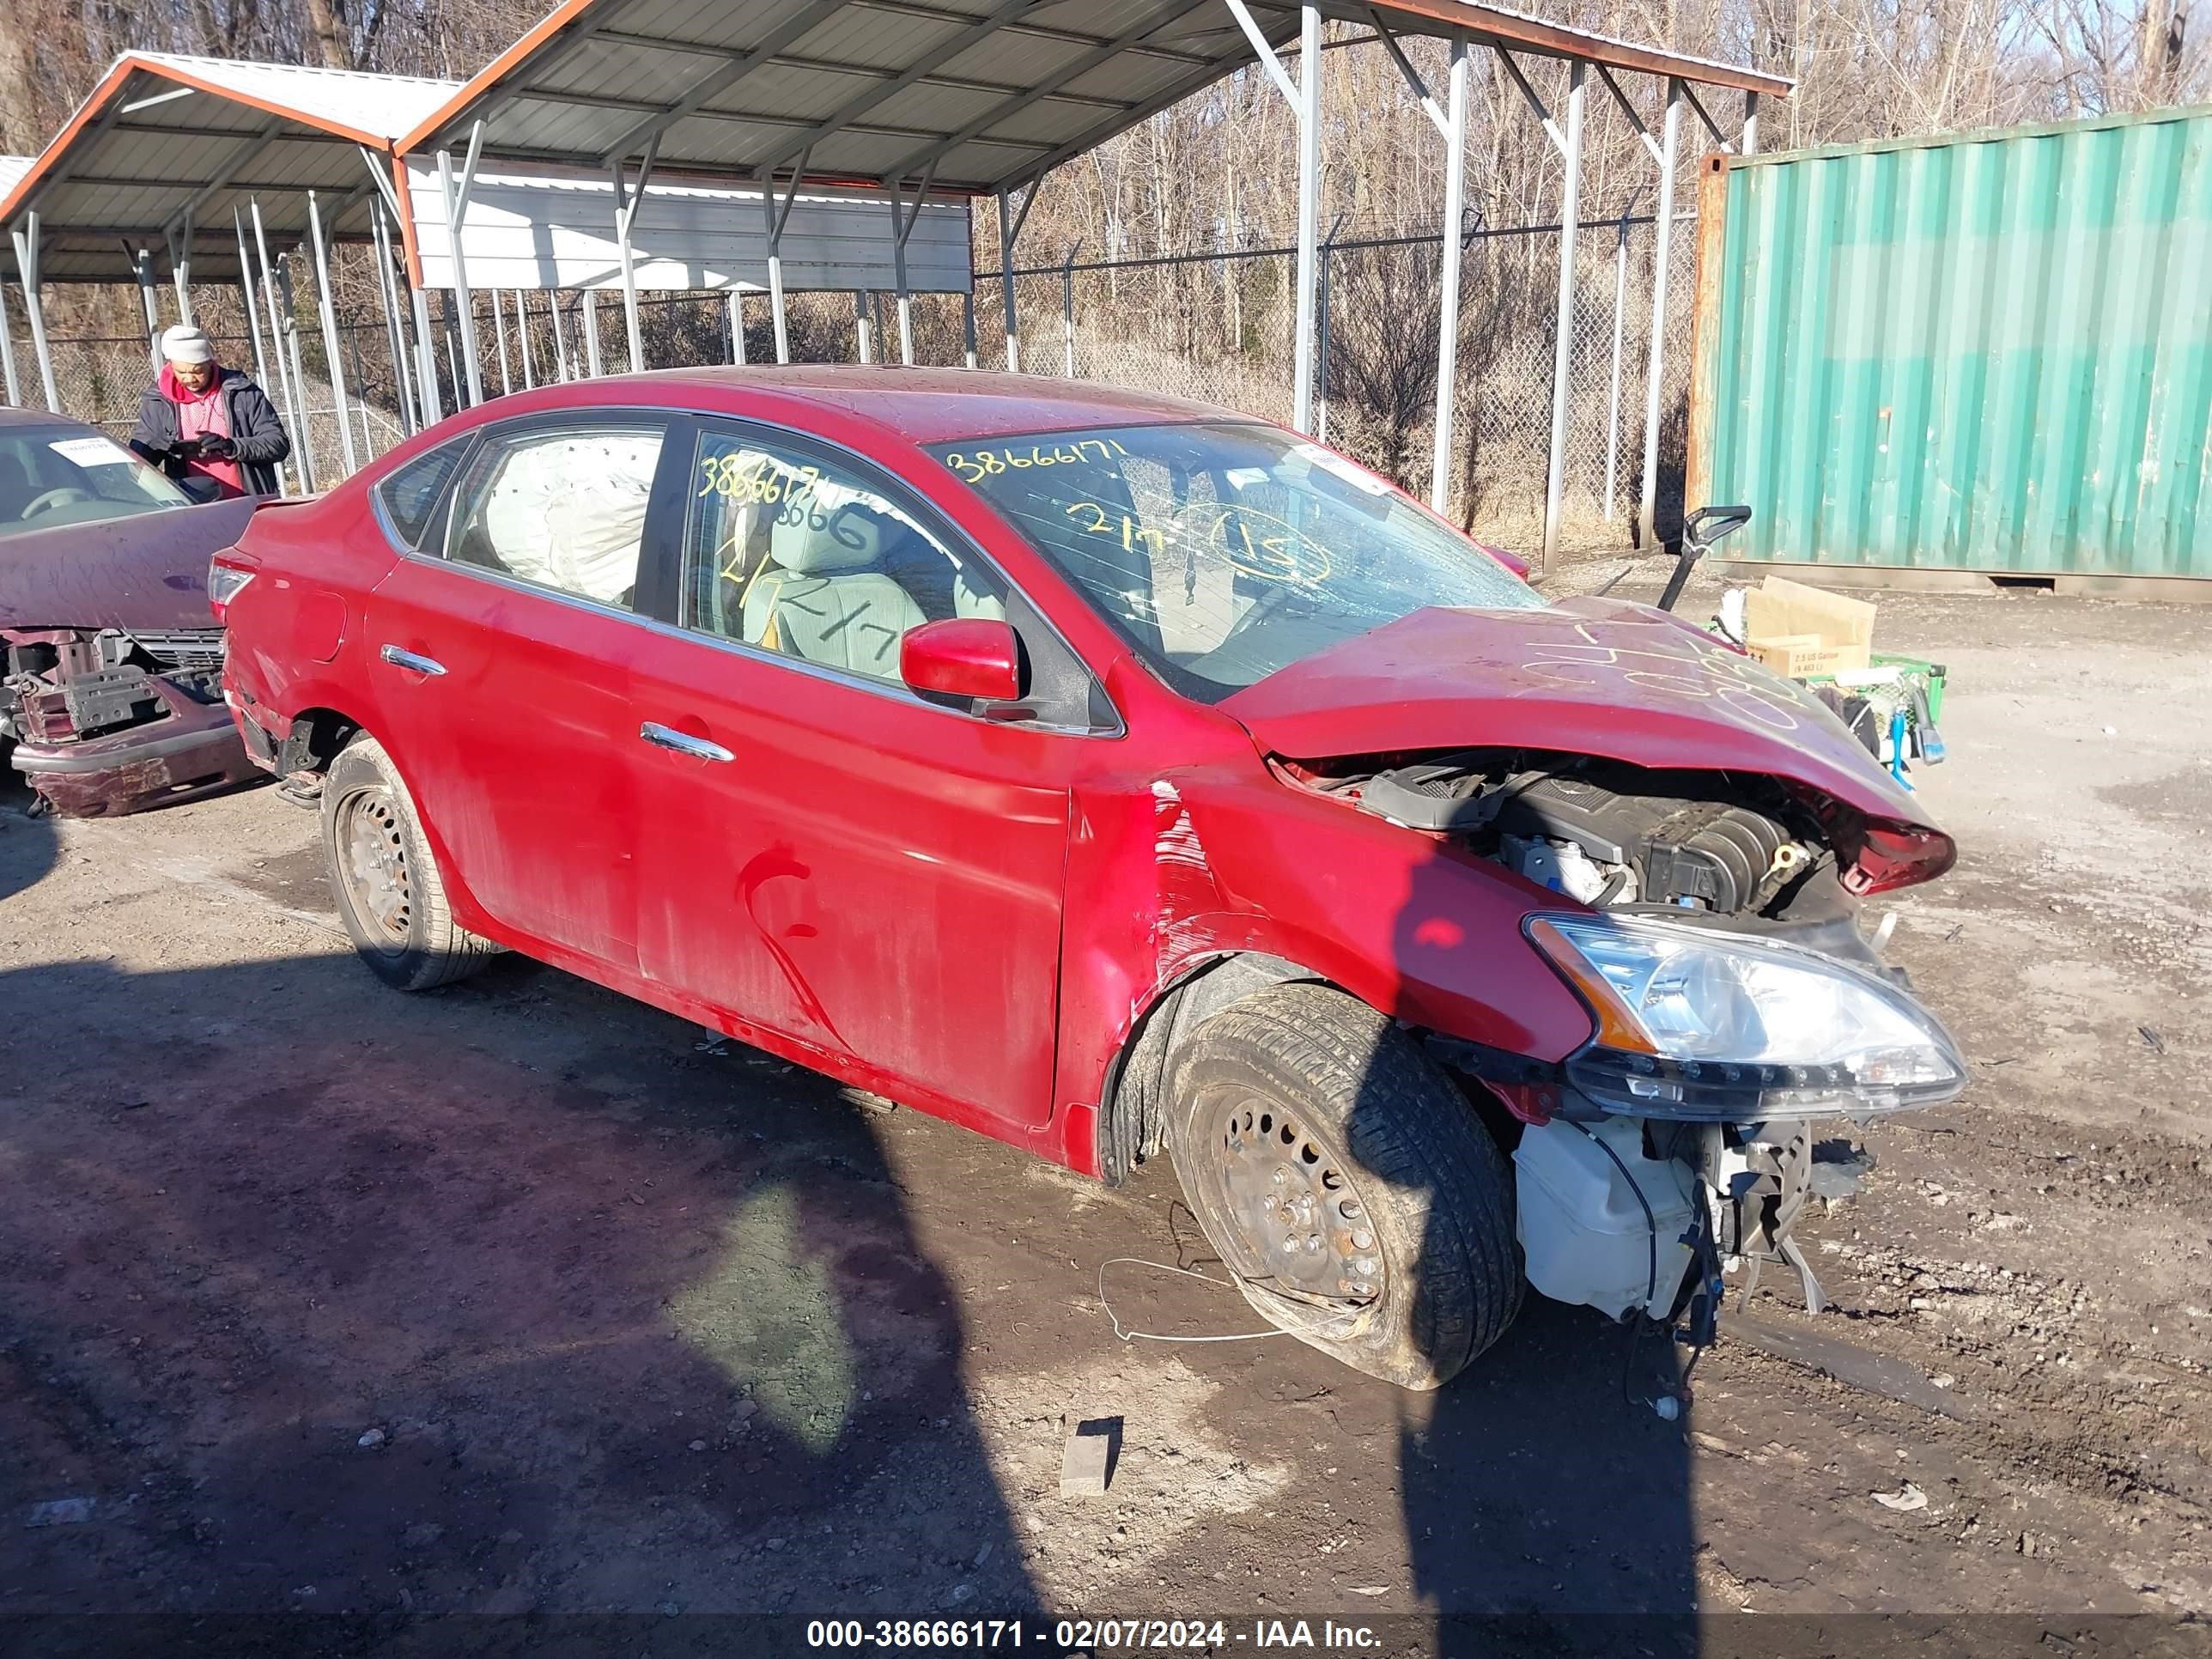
x=1696, y=1024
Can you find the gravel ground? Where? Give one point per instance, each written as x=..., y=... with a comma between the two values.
x=521, y=1298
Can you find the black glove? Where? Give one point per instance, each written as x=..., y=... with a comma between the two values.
x=215, y=447
x=185, y=449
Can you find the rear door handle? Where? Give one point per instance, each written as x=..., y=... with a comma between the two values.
x=682, y=743
x=411, y=661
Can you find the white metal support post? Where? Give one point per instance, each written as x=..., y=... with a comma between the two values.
x=1670, y=138
x=522, y=331
x=179, y=236
x=587, y=325
x=626, y=202
x=1750, y=146
x=903, y=220
x=254, y=316
x=426, y=354
x=499, y=339
x=145, y=266
x=1303, y=96
x=968, y=324
x=560, y=340
x=738, y=326
x=861, y=326
x=1010, y=229
x=778, y=213
x=26, y=268
x=8, y=350
x=304, y=435
x=1562, y=340
x=331, y=356
x=303, y=470
x=394, y=329
x=457, y=213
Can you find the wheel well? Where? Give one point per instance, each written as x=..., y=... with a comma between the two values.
x=1132, y=1120
x=316, y=737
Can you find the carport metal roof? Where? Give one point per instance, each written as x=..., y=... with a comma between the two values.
x=983, y=95
x=165, y=148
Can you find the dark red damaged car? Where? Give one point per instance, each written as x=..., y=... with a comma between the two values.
x=110, y=662
x=1120, y=777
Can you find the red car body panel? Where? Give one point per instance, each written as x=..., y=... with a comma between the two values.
x=967, y=915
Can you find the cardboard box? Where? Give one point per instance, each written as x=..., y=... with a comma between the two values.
x=1794, y=656
x=1795, y=629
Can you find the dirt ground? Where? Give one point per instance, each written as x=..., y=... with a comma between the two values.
x=520, y=1298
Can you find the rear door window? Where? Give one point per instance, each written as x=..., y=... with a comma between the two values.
x=561, y=507
x=411, y=496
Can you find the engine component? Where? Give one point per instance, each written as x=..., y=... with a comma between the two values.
x=1687, y=851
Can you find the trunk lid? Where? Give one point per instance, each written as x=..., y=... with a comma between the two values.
x=148, y=570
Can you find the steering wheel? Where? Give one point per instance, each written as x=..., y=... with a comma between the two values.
x=67, y=496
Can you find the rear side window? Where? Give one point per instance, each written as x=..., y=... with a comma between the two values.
x=410, y=495
x=562, y=506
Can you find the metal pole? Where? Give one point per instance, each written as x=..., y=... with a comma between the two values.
x=331, y=336
x=453, y=346
x=361, y=387
x=1612, y=399
x=306, y=434
x=180, y=269
x=738, y=326
x=1320, y=342
x=146, y=303
x=27, y=267
x=499, y=338
x=1563, y=342
x=626, y=206
x=426, y=357
x=899, y=227
x=1067, y=309
x=1448, y=313
x=522, y=333
x=587, y=325
x=560, y=340
x=252, y=311
x=968, y=325
x=1302, y=354
x=394, y=335
x=860, y=322
x=1670, y=132
x=1007, y=287
x=302, y=471
x=8, y=350
x=1750, y=145
x=463, y=300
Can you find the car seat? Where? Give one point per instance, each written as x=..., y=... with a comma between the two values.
x=18, y=489
x=824, y=597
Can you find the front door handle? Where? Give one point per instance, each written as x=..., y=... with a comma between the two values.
x=682, y=743
x=412, y=661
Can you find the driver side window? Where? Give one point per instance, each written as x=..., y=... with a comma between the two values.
x=801, y=556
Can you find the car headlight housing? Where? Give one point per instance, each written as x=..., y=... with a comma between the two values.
x=1701, y=1025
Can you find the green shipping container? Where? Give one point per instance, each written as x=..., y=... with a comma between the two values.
x=1990, y=352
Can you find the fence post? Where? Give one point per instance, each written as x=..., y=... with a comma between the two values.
x=1661, y=242
x=329, y=308
x=8, y=346
x=1612, y=399
x=1067, y=307
x=1563, y=344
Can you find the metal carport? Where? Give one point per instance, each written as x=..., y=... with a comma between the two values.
x=984, y=97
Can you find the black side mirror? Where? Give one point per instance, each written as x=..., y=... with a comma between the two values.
x=1700, y=531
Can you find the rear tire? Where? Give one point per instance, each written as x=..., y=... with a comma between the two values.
x=390, y=893
x=1348, y=1187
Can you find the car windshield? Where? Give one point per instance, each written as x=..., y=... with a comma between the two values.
x=58, y=475
x=1224, y=552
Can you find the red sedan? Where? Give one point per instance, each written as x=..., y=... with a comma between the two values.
x=1117, y=776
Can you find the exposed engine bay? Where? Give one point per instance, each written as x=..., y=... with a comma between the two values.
x=1649, y=1219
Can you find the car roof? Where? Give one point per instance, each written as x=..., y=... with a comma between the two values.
x=11, y=416
x=940, y=405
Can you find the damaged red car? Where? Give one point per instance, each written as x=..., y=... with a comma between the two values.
x=110, y=662
x=1126, y=779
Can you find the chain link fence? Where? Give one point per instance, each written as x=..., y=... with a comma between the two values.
x=1216, y=327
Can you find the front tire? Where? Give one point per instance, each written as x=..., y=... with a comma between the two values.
x=1347, y=1186
x=389, y=892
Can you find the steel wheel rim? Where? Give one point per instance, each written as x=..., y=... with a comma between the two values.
x=370, y=845
x=1295, y=1209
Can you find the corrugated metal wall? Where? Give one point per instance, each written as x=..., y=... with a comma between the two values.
x=1991, y=352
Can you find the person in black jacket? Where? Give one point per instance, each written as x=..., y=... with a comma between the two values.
x=209, y=428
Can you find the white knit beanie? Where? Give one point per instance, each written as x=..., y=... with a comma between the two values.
x=186, y=344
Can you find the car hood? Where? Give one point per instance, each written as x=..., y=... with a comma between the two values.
x=1592, y=677
x=148, y=570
